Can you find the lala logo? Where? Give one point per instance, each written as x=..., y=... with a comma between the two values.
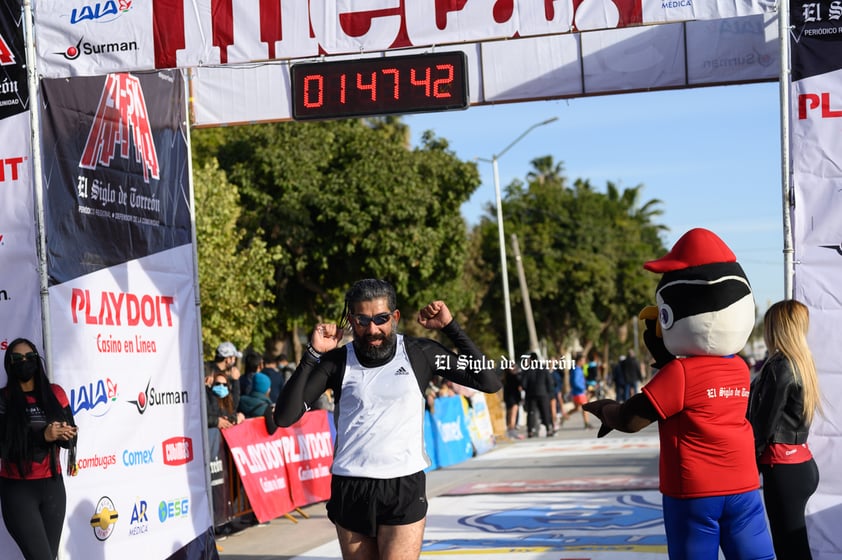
x=121, y=120
x=99, y=11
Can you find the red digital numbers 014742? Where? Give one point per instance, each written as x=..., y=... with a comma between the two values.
x=386, y=85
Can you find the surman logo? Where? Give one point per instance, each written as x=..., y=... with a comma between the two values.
x=121, y=120
x=7, y=57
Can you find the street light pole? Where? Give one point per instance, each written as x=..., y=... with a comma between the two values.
x=510, y=344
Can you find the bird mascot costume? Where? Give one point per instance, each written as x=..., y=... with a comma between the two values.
x=699, y=396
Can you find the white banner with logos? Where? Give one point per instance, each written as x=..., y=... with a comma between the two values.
x=78, y=39
x=679, y=55
x=20, y=304
x=129, y=363
x=816, y=116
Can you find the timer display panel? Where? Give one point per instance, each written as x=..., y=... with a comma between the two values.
x=379, y=86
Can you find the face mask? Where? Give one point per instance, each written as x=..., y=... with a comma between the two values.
x=220, y=391
x=24, y=371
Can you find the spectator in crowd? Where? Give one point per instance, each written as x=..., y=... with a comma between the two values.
x=253, y=363
x=285, y=366
x=618, y=376
x=35, y=422
x=512, y=397
x=254, y=403
x=538, y=388
x=225, y=362
x=631, y=374
x=221, y=411
x=782, y=403
x=578, y=388
x=272, y=371
x=557, y=397
x=379, y=381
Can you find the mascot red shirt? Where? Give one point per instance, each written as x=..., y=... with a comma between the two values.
x=699, y=397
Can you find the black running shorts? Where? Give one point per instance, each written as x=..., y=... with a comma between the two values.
x=362, y=504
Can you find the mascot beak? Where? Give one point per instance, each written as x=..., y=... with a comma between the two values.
x=650, y=312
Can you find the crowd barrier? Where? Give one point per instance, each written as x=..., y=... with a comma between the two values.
x=274, y=475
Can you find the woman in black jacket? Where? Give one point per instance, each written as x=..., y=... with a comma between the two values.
x=35, y=421
x=783, y=399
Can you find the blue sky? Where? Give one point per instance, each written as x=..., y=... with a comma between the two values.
x=711, y=155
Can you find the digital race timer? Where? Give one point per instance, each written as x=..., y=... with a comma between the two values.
x=379, y=86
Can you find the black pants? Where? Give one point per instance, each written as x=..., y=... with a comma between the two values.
x=538, y=405
x=786, y=489
x=33, y=511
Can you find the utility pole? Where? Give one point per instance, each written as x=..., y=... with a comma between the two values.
x=524, y=290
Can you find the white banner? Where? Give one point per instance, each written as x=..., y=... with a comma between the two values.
x=128, y=340
x=816, y=115
x=76, y=39
x=679, y=55
x=20, y=304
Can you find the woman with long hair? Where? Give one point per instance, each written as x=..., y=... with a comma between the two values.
x=35, y=421
x=784, y=398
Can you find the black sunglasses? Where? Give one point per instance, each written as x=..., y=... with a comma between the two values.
x=17, y=358
x=216, y=383
x=379, y=319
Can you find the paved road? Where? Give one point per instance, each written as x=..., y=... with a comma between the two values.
x=569, y=497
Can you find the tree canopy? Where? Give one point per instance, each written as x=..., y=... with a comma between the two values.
x=582, y=254
x=343, y=200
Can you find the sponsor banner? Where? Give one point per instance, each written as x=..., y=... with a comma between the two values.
x=479, y=423
x=115, y=170
x=14, y=97
x=285, y=470
x=261, y=464
x=430, y=442
x=451, y=432
x=308, y=454
x=815, y=113
x=78, y=38
x=20, y=303
x=123, y=322
x=125, y=350
x=691, y=54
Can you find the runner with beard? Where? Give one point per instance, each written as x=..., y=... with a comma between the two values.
x=378, y=489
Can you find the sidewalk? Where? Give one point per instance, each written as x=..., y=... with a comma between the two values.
x=516, y=474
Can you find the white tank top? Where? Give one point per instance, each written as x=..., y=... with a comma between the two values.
x=380, y=421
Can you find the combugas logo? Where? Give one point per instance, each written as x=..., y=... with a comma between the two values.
x=104, y=519
x=121, y=120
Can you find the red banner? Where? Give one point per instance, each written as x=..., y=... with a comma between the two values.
x=289, y=469
x=308, y=451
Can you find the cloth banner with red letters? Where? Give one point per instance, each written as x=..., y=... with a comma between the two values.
x=284, y=470
x=816, y=115
x=123, y=313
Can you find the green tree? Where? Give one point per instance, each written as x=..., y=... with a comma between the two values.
x=235, y=270
x=582, y=254
x=342, y=200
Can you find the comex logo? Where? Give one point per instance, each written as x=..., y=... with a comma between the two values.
x=105, y=518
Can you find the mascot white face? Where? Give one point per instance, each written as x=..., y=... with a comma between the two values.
x=705, y=303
